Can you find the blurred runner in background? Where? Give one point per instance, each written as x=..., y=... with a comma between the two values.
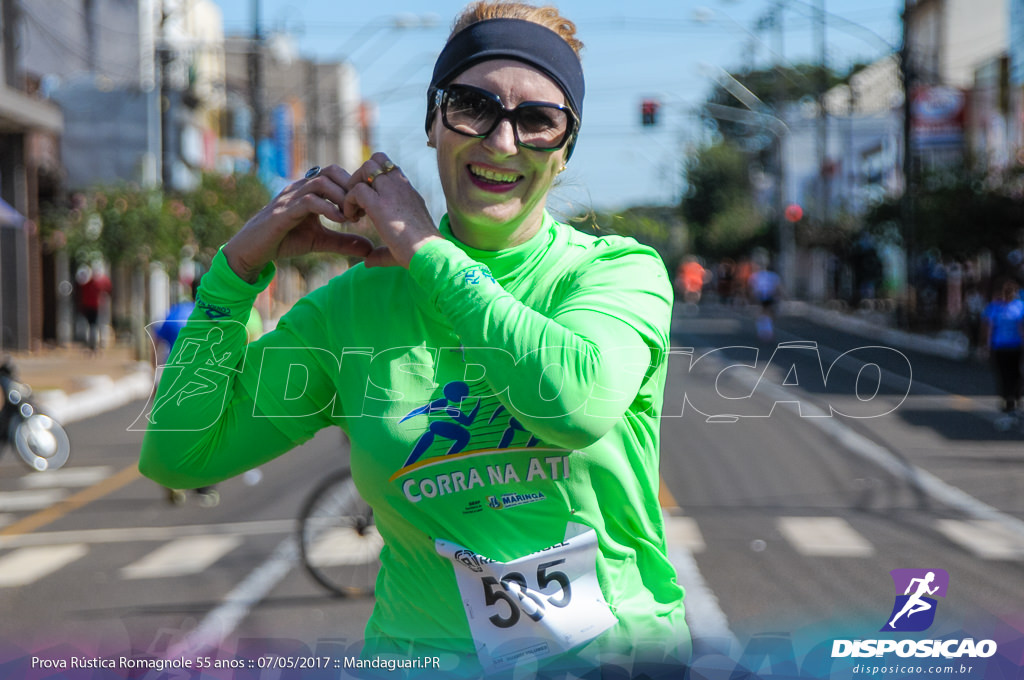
x=1003, y=332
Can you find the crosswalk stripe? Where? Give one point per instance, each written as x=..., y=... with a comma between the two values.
x=15, y=501
x=685, y=532
x=704, y=614
x=810, y=536
x=182, y=557
x=84, y=476
x=824, y=537
x=985, y=538
x=28, y=565
x=147, y=534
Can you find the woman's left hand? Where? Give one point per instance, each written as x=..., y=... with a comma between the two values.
x=380, y=190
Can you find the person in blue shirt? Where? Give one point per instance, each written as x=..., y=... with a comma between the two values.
x=1004, y=338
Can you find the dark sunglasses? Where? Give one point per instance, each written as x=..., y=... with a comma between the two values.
x=474, y=112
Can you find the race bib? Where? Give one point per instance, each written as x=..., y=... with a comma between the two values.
x=535, y=606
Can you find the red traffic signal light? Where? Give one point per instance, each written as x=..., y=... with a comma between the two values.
x=649, y=112
x=793, y=213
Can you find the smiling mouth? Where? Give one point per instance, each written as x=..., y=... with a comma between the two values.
x=493, y=177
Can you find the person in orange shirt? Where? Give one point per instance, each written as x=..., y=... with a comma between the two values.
x=690, y=279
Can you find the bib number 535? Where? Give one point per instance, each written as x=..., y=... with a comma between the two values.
x=520, y=597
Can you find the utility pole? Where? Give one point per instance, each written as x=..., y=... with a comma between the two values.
x=822, y=122
x=907, y=208
x=256, y=84
x=313, y=112
x=164, y=52
x=787, y=239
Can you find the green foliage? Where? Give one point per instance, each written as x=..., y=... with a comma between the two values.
x=657, y=226
x=118, y=223
x=775, y=86
x=125, y=223
x=718, y=206
x=958, y=213
x=733, y=231
x=218, y=208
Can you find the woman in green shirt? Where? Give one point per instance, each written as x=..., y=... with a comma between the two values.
x=499, y=375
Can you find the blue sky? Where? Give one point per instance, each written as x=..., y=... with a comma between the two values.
x=664, y=49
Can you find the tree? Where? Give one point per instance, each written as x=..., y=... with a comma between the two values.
x=773, y=88
x=126, y=224
x=960, y=214
x=119, y=223
x=719, y=208
x=218, y=208
x=659, y=227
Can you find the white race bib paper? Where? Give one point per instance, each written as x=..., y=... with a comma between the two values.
x=535, y=606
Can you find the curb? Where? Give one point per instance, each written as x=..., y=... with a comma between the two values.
x=104, y=394
x=955, y=346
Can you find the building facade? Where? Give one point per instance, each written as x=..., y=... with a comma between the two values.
x=30, y=172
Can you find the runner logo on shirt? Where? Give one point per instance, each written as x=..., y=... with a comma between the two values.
x=451, y=416
x=458, y=434
x=456, y=430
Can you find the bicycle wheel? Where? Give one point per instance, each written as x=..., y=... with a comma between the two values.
x=41, y=442
x=338, y=540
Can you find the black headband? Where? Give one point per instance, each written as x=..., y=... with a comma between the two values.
x=516, y=39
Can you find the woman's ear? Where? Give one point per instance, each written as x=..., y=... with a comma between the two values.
x=432, y=130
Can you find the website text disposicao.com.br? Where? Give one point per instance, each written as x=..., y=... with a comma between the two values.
x=959, y=657
x=902, y=670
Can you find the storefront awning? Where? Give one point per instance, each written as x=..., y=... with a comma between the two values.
x=19, y=112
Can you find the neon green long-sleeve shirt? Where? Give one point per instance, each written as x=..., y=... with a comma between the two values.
x=503, y=411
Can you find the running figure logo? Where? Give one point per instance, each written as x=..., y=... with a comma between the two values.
x=456, y=429
x=914, y=610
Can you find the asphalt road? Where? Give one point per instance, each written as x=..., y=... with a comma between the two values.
x=797, y=474
x=95, y=556
x=795, y=514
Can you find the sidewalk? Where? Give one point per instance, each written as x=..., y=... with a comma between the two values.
x=948, y=344
x=72, y=384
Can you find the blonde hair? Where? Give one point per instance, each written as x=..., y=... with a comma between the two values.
x=546, y=16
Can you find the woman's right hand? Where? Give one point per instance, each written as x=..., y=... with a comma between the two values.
x=290, y=225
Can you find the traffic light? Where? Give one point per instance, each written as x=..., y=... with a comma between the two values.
x=794, y=213
x=649, y=112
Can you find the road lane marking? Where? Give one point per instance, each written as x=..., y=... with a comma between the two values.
x=182, y=557
x=686, y=532
x=20, y=501
x=708, y=623
x=84, y=476
x=853, y=442
x=824, y=537
x=68, y=505
x=224, y=619
x=28, y=565
x=986, y=539
x=150, y=534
